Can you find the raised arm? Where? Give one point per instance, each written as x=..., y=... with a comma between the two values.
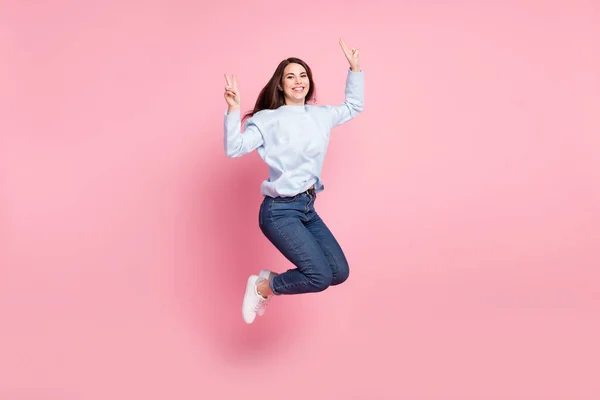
x=236, y=143
x=354, y=97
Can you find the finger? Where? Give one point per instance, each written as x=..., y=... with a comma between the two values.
x=344, y=46
x=227, y=81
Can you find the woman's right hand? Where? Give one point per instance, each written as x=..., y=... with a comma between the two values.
x=232, y=95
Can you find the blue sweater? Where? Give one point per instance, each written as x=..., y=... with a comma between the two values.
x=293, y=140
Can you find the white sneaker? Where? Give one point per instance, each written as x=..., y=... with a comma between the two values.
x=264, y=274
x=252, y=300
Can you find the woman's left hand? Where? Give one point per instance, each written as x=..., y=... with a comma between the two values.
x=351, y=55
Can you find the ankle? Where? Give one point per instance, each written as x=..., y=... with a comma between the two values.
x=264, y=288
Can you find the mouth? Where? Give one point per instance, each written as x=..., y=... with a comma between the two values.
x=298, y=89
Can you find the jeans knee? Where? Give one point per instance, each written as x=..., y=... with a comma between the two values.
x=341, y=275
x=320, y=281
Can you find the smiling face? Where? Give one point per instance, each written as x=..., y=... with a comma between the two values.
x=295, y=84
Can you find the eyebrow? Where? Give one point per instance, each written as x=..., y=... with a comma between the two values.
x=291, y=73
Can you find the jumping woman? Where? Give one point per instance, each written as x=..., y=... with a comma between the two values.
x=291, y=136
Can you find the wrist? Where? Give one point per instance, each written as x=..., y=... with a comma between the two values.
x=232, y=109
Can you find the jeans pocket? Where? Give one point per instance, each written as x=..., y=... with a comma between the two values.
x=284, y=200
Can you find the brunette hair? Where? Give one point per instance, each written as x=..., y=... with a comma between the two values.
x=270, y=97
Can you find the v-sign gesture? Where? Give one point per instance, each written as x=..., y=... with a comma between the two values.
x=232, y=95
x=351, y=55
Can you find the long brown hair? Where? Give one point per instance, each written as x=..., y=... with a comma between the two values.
x=270, y=97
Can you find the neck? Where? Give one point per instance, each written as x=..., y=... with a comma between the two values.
x=294, y=103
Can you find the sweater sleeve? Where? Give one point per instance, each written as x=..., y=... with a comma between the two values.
x=354, y=100
x=237, y=143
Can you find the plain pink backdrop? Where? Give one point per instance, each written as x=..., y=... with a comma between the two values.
x=467, y=198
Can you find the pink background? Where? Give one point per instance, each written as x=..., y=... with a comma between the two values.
x=466, y=197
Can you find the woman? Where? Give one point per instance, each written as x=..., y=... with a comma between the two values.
x=291, y=136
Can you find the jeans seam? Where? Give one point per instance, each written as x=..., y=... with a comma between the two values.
x=333, y=261
x=293, y=285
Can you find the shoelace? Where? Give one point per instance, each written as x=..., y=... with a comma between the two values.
x=261, y=303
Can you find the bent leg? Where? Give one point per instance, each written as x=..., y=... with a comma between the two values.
x=285, y=229
x=331, y=248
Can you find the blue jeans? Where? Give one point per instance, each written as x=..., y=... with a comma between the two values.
x=293, y=226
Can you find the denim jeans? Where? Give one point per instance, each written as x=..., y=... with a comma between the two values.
x=293, y=226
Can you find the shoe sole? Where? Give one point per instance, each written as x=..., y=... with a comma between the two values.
x=250, y=288
x=264, y=274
